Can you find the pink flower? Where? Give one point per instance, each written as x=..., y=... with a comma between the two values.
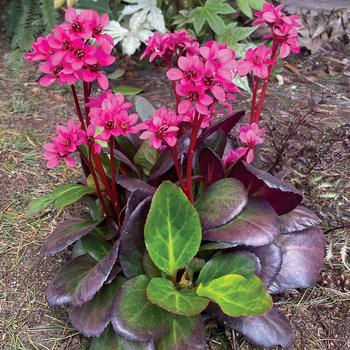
x=56, y=73
x=162, y=129
x=41, y=49
x=288, y=38
x=233, y=156
x=189, y=116
x=190, y=69
x=68, y=137
x=89, y=138
x=81, y=55
x=54, y=156
x=79, y=23
x=257, y=61
x=98, y=24
x=193, y=94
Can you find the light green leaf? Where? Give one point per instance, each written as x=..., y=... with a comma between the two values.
x=240, y=263
x=172, y=230
x=246, y=6
x=210, y=13
x=96, y=246
x=144, y=108
x=146, y=156
x=163, y=293
x=242, y=83
x=233, y=34
x=237, y=295
x=69, y=193
x=39, y=204
x=118, y=73
x=127, y=90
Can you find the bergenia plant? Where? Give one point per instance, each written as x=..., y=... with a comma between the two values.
x=181, y=227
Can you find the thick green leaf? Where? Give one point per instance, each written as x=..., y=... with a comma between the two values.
x=134, y=316
x=210, y=13
x=109, y=340
x=149, y=267
x=163, y=293
x=95, y=245
x=69, y=193
x=93, y=317
x=118, y=73
x=172, y=230
x=240, y=263
x=39, y=204
x=185, y=333
x=144, y=108
x=127, y=90
x=221, y=202
x=146, y=156
x=66, y=233
x=237, y=295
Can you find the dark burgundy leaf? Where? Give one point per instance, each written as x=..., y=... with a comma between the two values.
x=297, y=220
x=94, y=279
x=221, y=202
x=255, y=225
x=165, y=161
x=124, y=159
x=226, y=125
x=66, y=233
x=216, y=142
x=268, y=330
x=132, y=184
x=93, y=317
x=302, y=259
x=132, y=246
x=259, y=183
x=270, y=257
x=210, y=167
x=67, y=279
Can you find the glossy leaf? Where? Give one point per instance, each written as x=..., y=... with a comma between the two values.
x=95, y=245
x=132, y=246
x=185, y=333
x=172, y=230
x=216, y=142
x=92, y=318
x=134, y=316
x=144, y=108
x=210, y=166
x=131, y=184
x=127, y=90
x=149, y=267
x=146, y=157
x=125, y=160
x=163, y=293
x=69, y=193
x=239, y=263
x=109, y=340
x=270, y=257
x=39, y=204
x=237, y=295
x=297, y=220
x=302, y=260
x=66, y=233
x=282, y=196
x=216, y=246
x=255, y=225
x=221, y=202
x=267, y=331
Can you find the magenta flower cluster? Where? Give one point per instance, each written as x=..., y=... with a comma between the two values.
x=68, y=54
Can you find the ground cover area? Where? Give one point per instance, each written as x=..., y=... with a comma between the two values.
x=308, y=117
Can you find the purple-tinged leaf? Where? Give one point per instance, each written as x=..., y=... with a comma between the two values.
x=282, y=196
x=267, y=331
x=165, y=161
x=148, y=265
x=67, y=233
x=185, y=333
x=297, y=220
x=134, y=316
x=226, y=125
x=302, y=260
x=109, y=340
x=270, y=257
x=132, y=246
x=132, y=184
x=216, y=142
x=94, y=279
x=124, y=159
x=255, y=225
x=210, y=167
x=92, y=318
x=67, y=279
x=221, y=202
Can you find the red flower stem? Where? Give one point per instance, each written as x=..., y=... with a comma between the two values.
x=86, y=100
x=77, y=106
x=256, y=115
x=255, y=85
x=102, y=173
x=195, y=129
x=97, y=184
x=174, y=155
x=114, y=182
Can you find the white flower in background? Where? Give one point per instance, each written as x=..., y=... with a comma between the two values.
x=142, y=11
x=130, y=38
